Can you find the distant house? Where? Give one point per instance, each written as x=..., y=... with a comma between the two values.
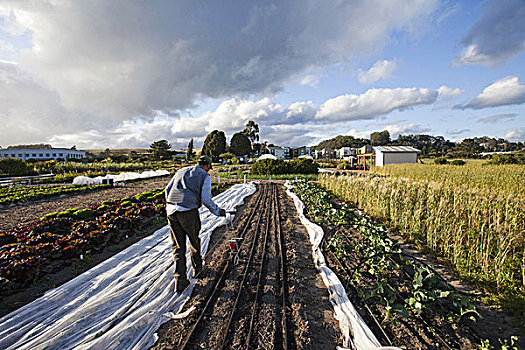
x=301, y=151
x=325, y=153
x=395, y=155
x=278, y=152
x=42, y=154
x=346, y=153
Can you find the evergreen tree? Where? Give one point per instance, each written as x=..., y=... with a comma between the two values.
x=160, y=149
x=240, y=144
x=189, y=151
x=215, y=144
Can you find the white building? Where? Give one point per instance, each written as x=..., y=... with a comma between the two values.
x=42, y=154
x=278, y=152
x=346, y=153
x=395, y=155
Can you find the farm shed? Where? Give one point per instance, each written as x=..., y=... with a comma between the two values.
x=395, y=155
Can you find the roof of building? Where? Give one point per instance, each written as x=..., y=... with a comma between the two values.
x=39, y=150
x=396, y=149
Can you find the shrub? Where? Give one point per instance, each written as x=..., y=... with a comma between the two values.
x=15, y=167
x=458, y=162
x=280, y=167
x=126, y=204
x=440, y=161
x=270, y=167
x=512, y=158
x=303, y=166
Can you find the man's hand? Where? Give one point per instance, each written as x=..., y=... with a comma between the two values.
x=222, y=212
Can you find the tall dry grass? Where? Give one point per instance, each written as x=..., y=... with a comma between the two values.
x=480, y=232
x=508, y=178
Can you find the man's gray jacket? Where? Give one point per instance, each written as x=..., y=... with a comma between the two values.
x=188, y=189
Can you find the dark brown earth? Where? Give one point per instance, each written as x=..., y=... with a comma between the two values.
x=311, y=319
x=20, y=214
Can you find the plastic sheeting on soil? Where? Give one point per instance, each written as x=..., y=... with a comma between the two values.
x=84, y=180
x=118, y=304
x=355, y=331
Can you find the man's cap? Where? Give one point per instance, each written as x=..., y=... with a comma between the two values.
x=205, y=159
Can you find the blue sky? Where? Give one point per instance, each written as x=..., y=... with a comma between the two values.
x=126, y=73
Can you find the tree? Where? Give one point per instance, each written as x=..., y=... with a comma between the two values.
x=380, y=138
x=251, y=131
x=215, y=144
x=189, y=151
x=160, y=149
x=342, y=141
x=240, y=144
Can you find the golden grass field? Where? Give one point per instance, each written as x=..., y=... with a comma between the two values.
x=473, y=215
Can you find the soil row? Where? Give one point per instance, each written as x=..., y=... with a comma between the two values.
x=239, y=300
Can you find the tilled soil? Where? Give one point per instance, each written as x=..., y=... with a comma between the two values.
x=24, y=213
x=309, y=314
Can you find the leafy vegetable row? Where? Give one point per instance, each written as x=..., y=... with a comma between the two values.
x=30, y=193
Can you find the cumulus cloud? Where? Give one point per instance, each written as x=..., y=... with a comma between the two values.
x=380, y=70
x=517, y=134
x=374, y=103
x=359, y=134
x=506, y=91
x=394, y=129
x=446, y=93
x=412, y=128
x=142, y=55
x=494, y=118
x=498, y=36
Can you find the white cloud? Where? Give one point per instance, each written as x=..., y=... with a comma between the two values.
x=86, y=68
x=310, y=80
x=517, y=134
x=394, y=129
x=359, y=134
x=446, y=92
x=380, y=70
x=494, y=118
x=498, y=36
x=374, y=103
x=412, y=128
x=506, y=91
x=131, y=57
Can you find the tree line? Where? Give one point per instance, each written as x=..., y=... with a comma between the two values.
x=429, y=145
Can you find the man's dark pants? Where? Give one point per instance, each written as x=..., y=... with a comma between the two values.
x=185, y=224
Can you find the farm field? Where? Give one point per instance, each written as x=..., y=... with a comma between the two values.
x=480, y=232
x=273, y=294
x=22, y=194
x=244, y=301
x=33, y=211
x=475, y=175
x=402, y=298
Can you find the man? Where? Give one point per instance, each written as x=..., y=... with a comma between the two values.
x=186, y=192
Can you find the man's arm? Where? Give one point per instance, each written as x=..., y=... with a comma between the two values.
x=206, y=198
